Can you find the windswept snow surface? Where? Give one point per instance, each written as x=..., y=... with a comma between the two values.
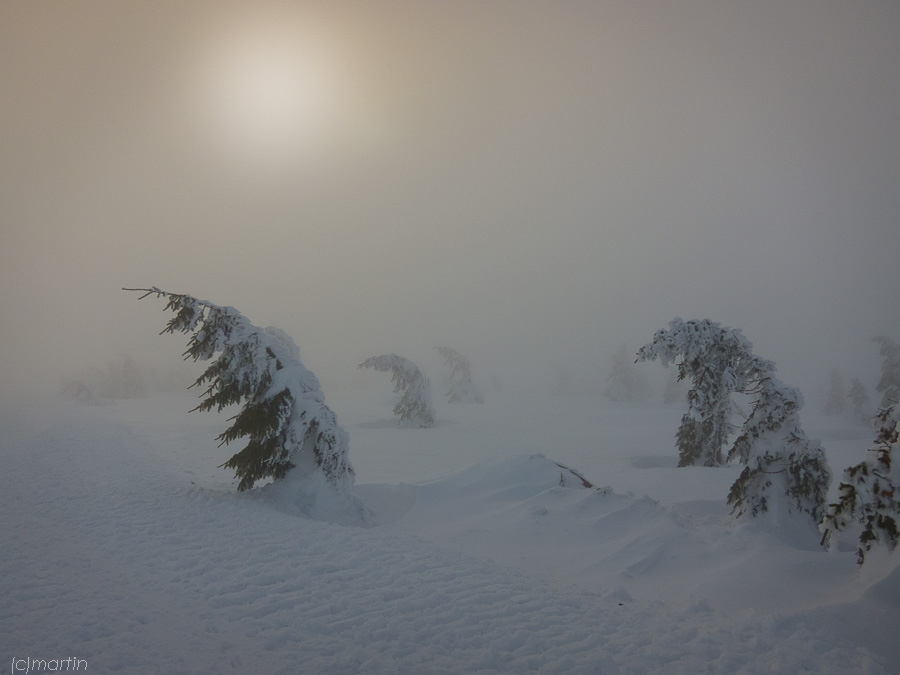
x=123, y=544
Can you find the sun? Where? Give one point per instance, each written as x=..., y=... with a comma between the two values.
x=269, y=92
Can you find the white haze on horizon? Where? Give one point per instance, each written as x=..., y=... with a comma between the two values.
x=531, y=184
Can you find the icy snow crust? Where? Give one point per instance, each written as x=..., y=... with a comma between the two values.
x=124, y=545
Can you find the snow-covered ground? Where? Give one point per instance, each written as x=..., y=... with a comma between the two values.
x=123, y=544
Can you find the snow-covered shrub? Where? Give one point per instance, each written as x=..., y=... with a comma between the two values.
x=869, y=493
x=460, y=388
x=283, y=414
x=414, y=406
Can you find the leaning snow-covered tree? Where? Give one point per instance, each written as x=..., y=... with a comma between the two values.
x=785, y=472
x=289, y=429
x=460, y=388
x=869, y=494
x=414, y=406
x=889, y=384
x=711, y=357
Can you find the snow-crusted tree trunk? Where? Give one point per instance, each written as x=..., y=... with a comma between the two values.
x=283, y=416
x=460, y=388
x=869, y=494
x=414, y=406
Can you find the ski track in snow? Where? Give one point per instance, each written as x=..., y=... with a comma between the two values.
x=110, y=554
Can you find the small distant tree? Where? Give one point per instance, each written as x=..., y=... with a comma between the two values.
x=118, y=379
x=460, y=388
x=283, y=414
x=414, y=406
x=784, y=470
x=79, y=390
x=869, y=493
x=625, y=381
x=836, y=404
x=859, y=398
x=889, y=384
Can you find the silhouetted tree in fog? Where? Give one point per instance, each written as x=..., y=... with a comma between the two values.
x=460, y=388
x=414, y=405
x=625, y=381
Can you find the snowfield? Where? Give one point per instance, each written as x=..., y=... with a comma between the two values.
x=124, y=545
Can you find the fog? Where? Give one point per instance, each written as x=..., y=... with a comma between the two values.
x=533, y=184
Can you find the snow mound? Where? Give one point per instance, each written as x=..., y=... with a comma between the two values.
x=533, y=514
x=500, y=509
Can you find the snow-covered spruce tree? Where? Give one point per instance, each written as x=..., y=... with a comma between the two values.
x=889, y=384
x=711, y=356
x=625, y=382
x=869, y=493
x=414, y=406
x=283, y=416
x=836, y=404
x=460, y=388
x=780, y=461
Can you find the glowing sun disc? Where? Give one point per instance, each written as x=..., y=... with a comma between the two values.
x=269, y=92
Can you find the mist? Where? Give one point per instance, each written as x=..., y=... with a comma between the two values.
x=533, y=184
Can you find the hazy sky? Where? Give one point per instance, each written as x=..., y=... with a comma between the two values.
x=530, y=183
